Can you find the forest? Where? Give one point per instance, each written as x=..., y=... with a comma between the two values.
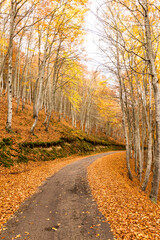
x=41, y=51
x=41, y=63
x=43, y=68
x=131, y=42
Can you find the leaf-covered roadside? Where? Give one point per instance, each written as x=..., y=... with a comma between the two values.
x=22, y=180
x=130, y=212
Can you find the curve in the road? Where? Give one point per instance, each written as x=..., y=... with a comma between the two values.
x=63, y=209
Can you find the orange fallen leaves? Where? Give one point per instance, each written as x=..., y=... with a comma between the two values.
x=15, y=188
x=130, y=212
x=22, y=122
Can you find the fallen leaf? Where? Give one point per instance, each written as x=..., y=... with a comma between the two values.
x=18, y=236
x=55, y=229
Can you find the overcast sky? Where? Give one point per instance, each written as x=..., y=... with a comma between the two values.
x=91, y=39
x=97, y=60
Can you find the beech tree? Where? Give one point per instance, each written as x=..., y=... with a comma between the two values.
x=17, y=12
x=130, y=31
x=41, y=55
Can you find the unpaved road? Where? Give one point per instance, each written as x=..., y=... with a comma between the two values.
x=63, y=209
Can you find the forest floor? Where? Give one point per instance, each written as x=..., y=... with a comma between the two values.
x=126, y=207
x=61, y=140
x=32, y=166
x=19, y=182
x=23, y=120
x=129, y=211
x=62, y=209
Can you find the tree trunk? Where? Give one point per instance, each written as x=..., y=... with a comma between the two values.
x=125, y=131
x=156, y=88
x=9, y=115
x=1, y=84
x=149, y=161
x=48, y=122
x=34, y=124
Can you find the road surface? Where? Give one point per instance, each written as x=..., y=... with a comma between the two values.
x=62, y=209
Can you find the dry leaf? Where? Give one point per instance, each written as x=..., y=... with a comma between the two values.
x=18, y=236
x=55, y=229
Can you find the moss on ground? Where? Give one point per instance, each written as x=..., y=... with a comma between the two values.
x=22, y=158
x=72, y=142
x=5, y=159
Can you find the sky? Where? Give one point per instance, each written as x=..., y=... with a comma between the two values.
x=97, y=60
x=91, y=39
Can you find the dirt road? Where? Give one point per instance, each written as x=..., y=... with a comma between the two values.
x=62, y=209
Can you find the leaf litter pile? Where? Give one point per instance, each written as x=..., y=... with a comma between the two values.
x=129, y=211
x=22, y=180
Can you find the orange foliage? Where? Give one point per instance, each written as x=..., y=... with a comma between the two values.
x=22, y=122
x=131, y=214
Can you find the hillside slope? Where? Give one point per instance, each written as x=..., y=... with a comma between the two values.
x=27, y=160
x=60, y=141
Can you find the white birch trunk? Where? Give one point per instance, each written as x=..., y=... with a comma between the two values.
x=9, y=82
x=156, y=88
